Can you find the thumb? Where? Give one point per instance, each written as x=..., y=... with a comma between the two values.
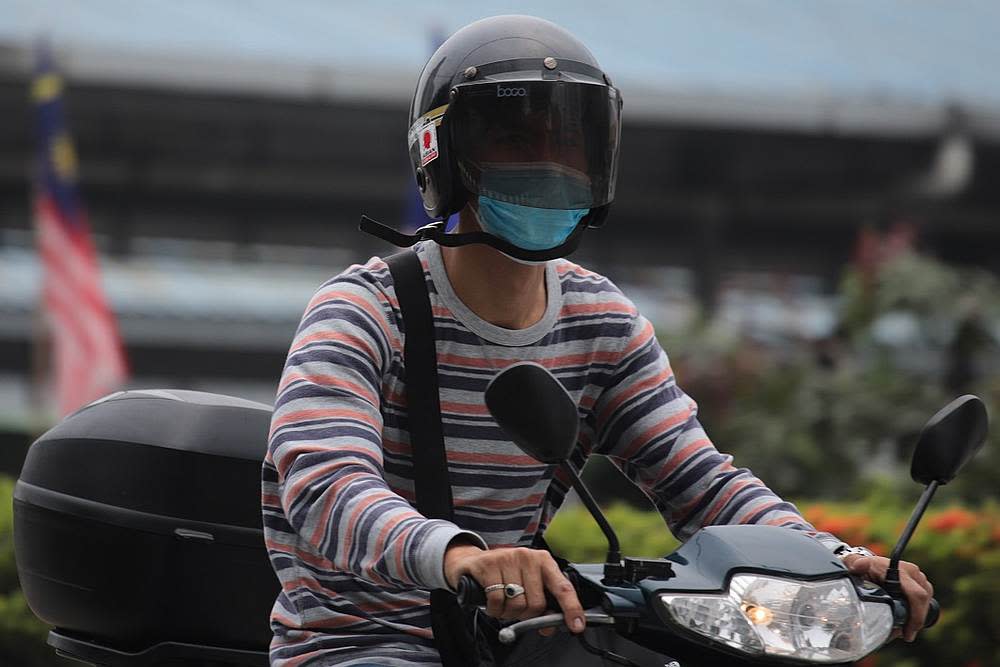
x=858, y=564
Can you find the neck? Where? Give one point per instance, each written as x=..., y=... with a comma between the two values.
x=496, y=288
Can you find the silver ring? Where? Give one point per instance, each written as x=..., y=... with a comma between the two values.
x=513, y=590
x=494, y=587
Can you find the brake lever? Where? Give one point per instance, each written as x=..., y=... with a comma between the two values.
x=510, y=633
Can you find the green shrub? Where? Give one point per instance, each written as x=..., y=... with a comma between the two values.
x=22, y=636
x=8, y=571
x=958, y=549
x=793, y=410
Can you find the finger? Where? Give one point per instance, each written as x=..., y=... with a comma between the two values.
x=515, y=606
x=859, y=565
x=494, y=599
x=873, y=569
x=534, y=590
x=918, y=600
x=915, y=623
x=919, y=577
x=918, y=591
x=565, y=595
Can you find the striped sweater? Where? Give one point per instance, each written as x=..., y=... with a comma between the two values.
x=355, y=560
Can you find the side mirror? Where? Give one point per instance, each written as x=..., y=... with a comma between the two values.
x=535, y=411
x=539, y=415
x=949, y=440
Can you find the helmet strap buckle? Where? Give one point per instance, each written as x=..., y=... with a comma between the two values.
x=429, y=232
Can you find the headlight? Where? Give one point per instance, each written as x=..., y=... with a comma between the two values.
x=821, y=621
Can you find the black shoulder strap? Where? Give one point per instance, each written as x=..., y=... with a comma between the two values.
x=430, y=463
x=423, y=402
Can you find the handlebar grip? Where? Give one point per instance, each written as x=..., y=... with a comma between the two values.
x=469, y=592
x=933, y=613
x=901, y=612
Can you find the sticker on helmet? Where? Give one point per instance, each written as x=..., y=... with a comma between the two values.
x=428, y=144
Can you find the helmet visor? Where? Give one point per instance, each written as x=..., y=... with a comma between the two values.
x=544, y=144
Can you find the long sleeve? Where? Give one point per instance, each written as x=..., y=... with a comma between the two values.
x=326, y=451
x=649, y=427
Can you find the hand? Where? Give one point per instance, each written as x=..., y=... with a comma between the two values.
x=917, y=589
x=534, y=569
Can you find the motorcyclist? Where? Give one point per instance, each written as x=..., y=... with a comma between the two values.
x=514, y=126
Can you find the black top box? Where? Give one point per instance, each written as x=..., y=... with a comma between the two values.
x=137, y=521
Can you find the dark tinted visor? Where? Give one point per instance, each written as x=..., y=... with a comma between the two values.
x=545, y=144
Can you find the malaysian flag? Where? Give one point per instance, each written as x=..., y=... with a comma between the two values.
x=87, y=359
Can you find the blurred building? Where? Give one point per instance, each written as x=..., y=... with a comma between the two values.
x=227, y=151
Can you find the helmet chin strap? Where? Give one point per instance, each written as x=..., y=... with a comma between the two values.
x=435, y=231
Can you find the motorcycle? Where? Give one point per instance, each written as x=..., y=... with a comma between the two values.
x=138, y=538
x=734, y=594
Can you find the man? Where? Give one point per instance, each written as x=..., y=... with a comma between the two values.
x=515, y=126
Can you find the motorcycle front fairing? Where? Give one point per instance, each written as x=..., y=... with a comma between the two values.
x=777, y=562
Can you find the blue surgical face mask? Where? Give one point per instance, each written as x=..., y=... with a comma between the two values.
x=528, y=227
x=531, y=227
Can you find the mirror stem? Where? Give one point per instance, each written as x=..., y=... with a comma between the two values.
x=614, y=557
x=892, y=584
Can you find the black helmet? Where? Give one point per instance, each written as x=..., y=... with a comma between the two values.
x=528, y=89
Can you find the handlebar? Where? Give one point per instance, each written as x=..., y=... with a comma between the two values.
x=469, y=592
